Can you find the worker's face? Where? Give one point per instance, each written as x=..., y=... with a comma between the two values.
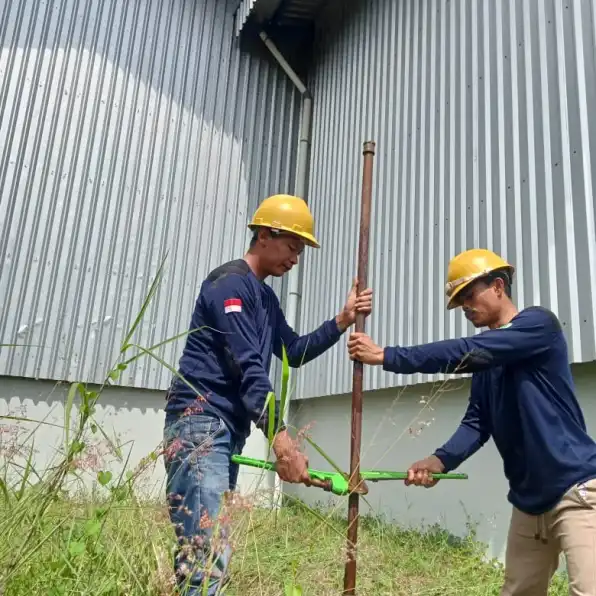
x=281, y=253
x=481, y=302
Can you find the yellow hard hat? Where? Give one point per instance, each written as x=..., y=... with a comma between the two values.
x=288, y=213
x=469, y=266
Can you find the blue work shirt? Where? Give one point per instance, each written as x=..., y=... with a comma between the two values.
x=239, y=325
x=523, y=396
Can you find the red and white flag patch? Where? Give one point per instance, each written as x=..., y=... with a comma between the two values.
x=232, y=305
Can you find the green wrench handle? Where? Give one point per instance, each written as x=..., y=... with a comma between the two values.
x=337, y=483
x=376, y=475
x=333, y=482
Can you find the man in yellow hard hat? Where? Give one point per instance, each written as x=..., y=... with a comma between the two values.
x=522, y=395
x=225, y=366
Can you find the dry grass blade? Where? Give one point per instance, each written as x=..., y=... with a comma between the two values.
x=110, y=542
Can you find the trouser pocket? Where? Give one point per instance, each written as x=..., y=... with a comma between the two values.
x=585, y=493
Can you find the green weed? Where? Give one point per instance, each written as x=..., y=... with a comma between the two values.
x=56, y=542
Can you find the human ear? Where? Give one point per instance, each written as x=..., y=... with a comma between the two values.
x=263, y=236
x=499, y=287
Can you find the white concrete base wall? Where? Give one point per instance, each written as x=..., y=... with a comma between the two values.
x=132, y=419
x=387, y=443
x=397, y=430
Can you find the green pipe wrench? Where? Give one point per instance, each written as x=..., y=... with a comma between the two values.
x=337, y=483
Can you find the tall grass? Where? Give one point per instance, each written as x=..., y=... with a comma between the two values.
x=57, y=538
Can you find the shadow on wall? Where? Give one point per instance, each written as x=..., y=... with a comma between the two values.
x=399, y=427
x=126, y=130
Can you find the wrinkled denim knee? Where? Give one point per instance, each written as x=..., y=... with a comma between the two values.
x=199, y=472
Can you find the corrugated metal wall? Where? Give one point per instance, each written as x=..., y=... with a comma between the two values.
x=485, y=137
x=128, y=129
x=243, y=12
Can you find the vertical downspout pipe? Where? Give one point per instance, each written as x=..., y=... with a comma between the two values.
x=295, y=276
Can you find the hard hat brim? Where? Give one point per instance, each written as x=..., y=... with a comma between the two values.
x=308, y=239
x=451, y=304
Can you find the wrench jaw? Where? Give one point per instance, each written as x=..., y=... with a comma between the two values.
x=339, y=484
x=361, y=488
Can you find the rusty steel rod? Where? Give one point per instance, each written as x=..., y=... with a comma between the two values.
x=368, y=152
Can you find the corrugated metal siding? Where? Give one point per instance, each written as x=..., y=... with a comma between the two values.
x=128, y=129
x=480, y=111
x=244, y=10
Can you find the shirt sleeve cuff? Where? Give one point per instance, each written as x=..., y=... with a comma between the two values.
x=389, y=360
x=449, y=461
x=263, y=425
x=334, y=331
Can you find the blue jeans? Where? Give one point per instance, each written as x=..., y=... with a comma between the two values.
x=197, y=453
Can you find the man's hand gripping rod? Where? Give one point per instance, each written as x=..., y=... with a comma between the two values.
x=337, y=483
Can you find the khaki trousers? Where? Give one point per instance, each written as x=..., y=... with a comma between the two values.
x=535, y=542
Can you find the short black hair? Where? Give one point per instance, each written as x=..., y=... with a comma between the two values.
x=255, y=235
x=503, y=274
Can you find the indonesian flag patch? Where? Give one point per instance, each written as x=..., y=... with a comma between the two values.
x=232, y=305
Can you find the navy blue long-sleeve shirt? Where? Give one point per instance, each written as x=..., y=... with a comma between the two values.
x=239, y=325
x=523, y=396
